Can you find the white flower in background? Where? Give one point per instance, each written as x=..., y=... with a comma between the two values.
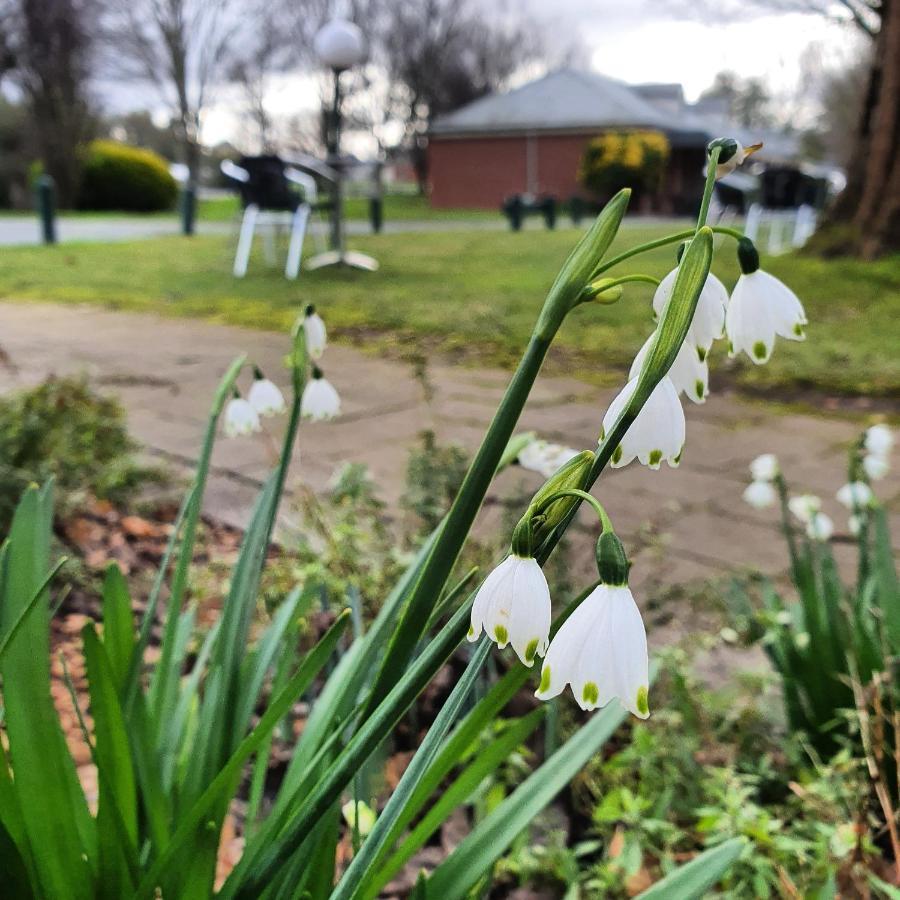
x=656, y=434
x=855, y=495
x=316, y=336
x=544, y=457
x=819, y=527
x=875, y=467
x=762, y=307
x=513, y=607
x=241, y=418
x=805, y=506
x=320, y=400
x=733, y=154
x=760, y=494
x=265, y=396
x=689, y=374
x=879, y=440
x=765, y=467
x=708, y=323
x=855, y=524
x=601, y=651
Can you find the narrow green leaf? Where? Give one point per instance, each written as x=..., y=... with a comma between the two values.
x=117, y=820
x=44, y=774
x=32, y=603
x=118, y=626
x=694, y=879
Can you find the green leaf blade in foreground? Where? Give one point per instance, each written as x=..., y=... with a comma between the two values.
x=692, y=880
x=44, y=777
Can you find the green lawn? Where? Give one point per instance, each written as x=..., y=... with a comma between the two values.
x=396, y=208
x=474, y=295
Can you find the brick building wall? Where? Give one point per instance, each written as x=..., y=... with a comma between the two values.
x=481, y=172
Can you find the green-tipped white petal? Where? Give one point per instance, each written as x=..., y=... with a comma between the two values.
x=804, y=507
x=513, y=607
x=689, y=374
x=266, y=397
x=316, y=335
x=708, y=323
x=656, y=434
x=760, y=494
x=762, y=307
x=875, y=467
x=819, y=527
x=241, y=419
x=601, y=652
x=320, y=400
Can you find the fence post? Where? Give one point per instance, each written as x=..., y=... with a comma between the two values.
x=45, y=194
x=376, y=213
x=188, y=208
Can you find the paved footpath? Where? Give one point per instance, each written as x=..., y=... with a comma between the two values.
x=689, y=522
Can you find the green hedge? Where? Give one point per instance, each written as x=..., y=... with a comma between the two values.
x=118, y=176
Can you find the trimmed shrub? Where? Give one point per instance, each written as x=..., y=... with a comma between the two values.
x=118, y=176
x=619, y=159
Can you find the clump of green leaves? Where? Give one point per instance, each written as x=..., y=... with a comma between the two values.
x=433, y=476
x=64, y=429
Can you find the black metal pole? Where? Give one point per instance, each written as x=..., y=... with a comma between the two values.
x=334, y=152
x=188, y=208
x=45, y=192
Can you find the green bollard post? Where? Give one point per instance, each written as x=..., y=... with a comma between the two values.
x=188, y=209
x=376, y=213
x=45, y=195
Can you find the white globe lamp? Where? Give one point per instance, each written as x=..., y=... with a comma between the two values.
x=340, y=45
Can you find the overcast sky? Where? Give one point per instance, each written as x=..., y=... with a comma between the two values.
x=647, y=40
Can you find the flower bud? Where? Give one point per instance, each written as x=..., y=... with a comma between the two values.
x=612, y=561
x=570, y=475
x=598, y=292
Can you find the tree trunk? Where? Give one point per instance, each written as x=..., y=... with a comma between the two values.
x=868, y=210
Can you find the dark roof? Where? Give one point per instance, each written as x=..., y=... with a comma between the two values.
x=564, y=99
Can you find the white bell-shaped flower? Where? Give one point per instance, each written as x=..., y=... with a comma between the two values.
x=656, y=434
x=760, y=494
x=855, y=524
x=708, y=323
x=879, y=440
x=689, y=374
x=819, y=527
x=855, y=495
x=875, y=467
x=241, y=418
x=513, y=607
x=316, y=335
x=265, y=396
x=319, y=400
x=765, y=467
x=804, y=506
x=601, y=651
x=762, y=307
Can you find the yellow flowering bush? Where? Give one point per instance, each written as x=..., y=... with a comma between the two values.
x=624, y=158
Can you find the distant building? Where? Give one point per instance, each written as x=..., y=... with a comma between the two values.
x=531, y=140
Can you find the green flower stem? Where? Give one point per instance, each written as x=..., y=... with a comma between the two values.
x=661, y=242
x=605, y=521
x=786, y=526
x=711, y=164
x=625, y=279
x=562, y=297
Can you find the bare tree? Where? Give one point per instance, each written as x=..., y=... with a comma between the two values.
x=441, y=54
x=48, y=47
x=183, y=47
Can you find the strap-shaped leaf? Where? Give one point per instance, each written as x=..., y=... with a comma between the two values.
x=692, y=880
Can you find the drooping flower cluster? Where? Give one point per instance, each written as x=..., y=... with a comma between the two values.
x=242, y=416
x=877, y=443
x=760, y=308
x=600, y=650
x=319, y=400
x=856, y=496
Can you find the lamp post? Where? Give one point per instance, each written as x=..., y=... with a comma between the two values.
x=340, y=45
